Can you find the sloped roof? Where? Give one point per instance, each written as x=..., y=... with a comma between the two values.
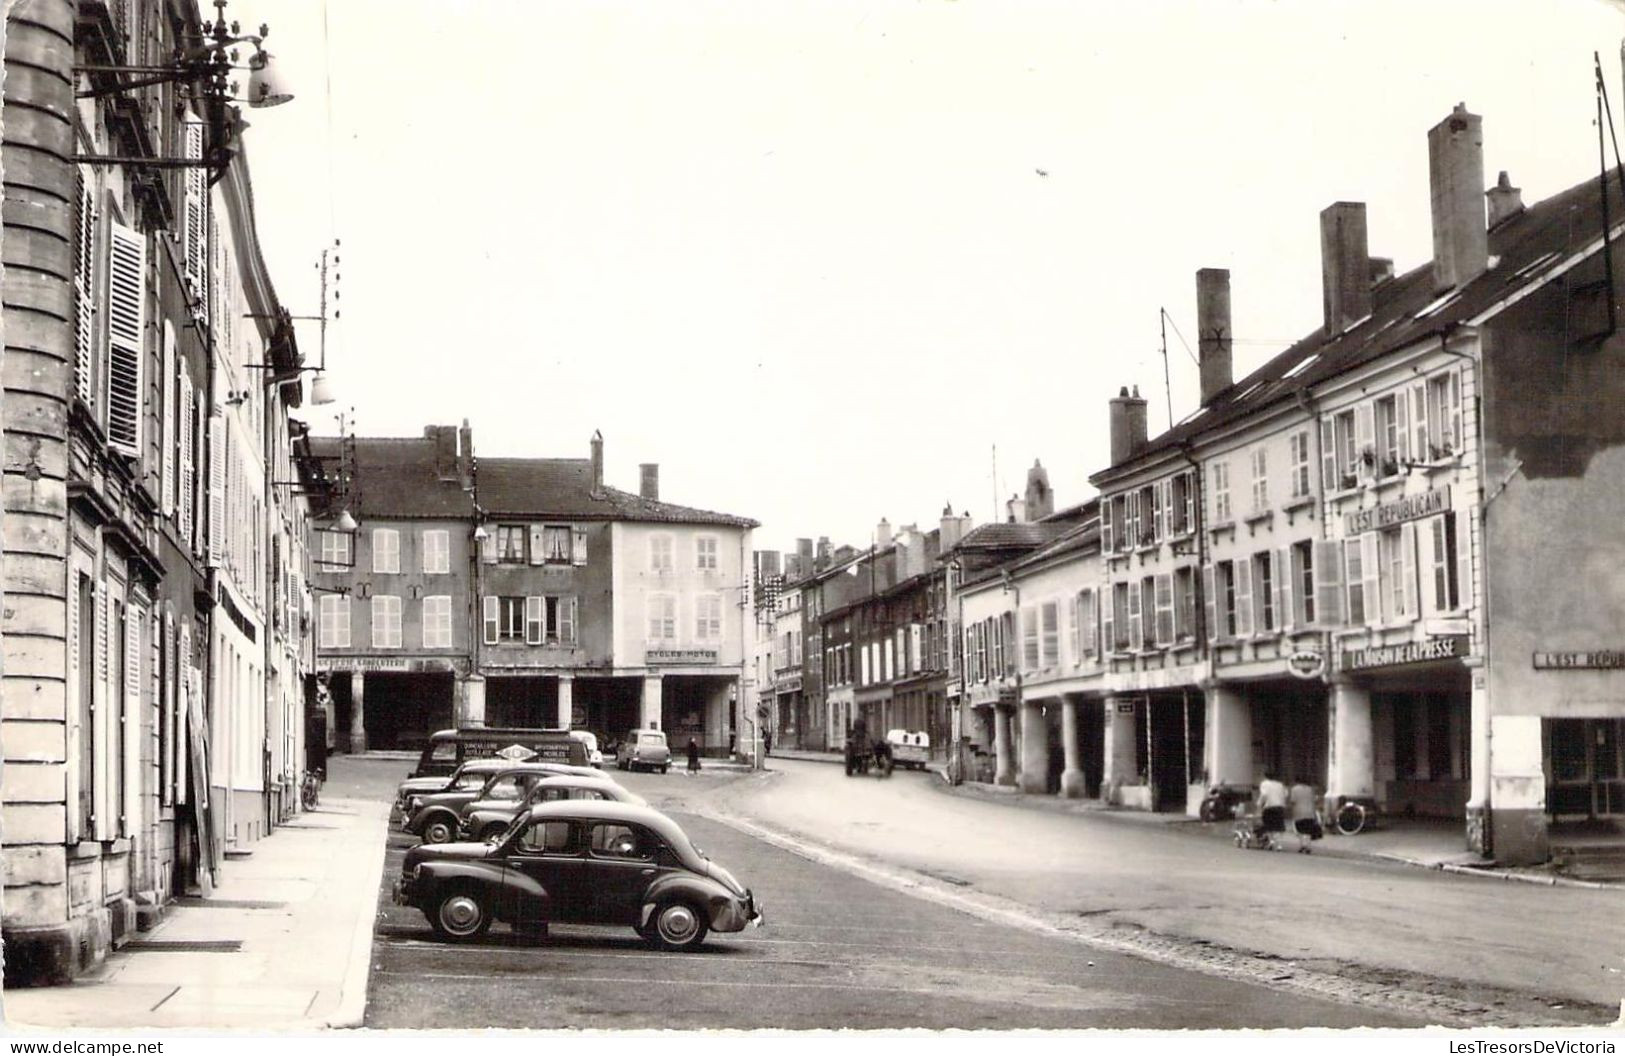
x=1405, y=310
x=396, y=477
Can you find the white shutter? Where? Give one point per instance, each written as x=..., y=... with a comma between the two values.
x=1464, y=559
x=578, y=546
x=1108, y=618
x=1105, y=525
x=1211, y=598
x=126, y=313
x=76, y=733
x=130, y=800
x=1407, y=556
x=1284, y=588
x=1242, y=569
x=166, y=399
x=1328, y=568
x=98, y=719
x=196, y=221
x=567, y=620
x=1420, y=438
x=183, y=717
x=1164, y=592
x=534, y=620
x=1402, y=427
x=167, y=709
x=1365, y=431
x=217, y=491
x=186, y=475
x=488, y=547
x=1328, y=457
x=489, y=612
x=1136, y=630
x=537, y=554
x=84, y=287
x=1370, y=568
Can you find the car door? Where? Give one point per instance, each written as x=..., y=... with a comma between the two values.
x=547, y=852
x=620, y=860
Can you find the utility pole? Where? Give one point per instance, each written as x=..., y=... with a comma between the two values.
x=1167, y=384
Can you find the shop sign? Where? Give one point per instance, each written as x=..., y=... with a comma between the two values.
x=788, y=685
x=1594, y=660
x=1306, y=663
x=1007, y=695
x=680, y=656
x=516, y=753
x=1450, y=647
x=379, y=663
x=1409, y=508
x=1125, y=707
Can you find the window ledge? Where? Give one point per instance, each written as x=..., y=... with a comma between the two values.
x=1302, y=502
x=1222, y=526
x=1254, y=521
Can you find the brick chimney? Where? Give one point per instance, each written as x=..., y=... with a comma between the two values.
x=1213, y=332
x=1345, y=266
x=1126, y=421
x=1461, y=245
x=1040, y=499
x=649, y=480
x=1505, y=200
x=465, y=455
x=444, y=440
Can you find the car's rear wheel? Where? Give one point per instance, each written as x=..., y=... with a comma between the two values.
x=677, y=925
x=461, y=915
x=439, y=830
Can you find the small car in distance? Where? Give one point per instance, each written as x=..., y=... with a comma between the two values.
x=644, y=748
x=486, y=819
x=589, y=741
x=578, y=862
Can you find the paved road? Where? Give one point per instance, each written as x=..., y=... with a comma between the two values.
x=838, y=951
x=1517, y=949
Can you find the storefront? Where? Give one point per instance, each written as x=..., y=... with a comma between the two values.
x=1421, y=723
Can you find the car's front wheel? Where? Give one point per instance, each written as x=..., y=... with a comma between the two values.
x=677, y=925
x=461, y=915
x=439, y=830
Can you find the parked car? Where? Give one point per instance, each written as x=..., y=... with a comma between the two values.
x=646, y=748
x=486, y=819
x=449, y=749
x=472, y=775
x=437, y=814
x=578, y=862
x=590, y=741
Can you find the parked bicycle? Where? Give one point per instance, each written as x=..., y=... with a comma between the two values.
x=1224, y=801
x=1350, y=817
x=310, y=789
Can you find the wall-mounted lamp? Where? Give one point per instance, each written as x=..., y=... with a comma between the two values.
x=480, y=534
x=345, y=522
x=206, y=67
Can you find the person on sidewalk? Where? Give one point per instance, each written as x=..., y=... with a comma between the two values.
x=1272, y=801
x=693, y=756
x=1305, y=822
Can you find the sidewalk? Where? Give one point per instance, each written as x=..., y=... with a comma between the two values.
x=284, y=942
x=1426, y=843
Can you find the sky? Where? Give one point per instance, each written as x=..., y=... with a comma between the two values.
x=828, y=262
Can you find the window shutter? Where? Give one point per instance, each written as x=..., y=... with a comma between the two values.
x=166, y=710
x=342, y=622
x=183, y=670
x=1419, y=423
x=1458, y=439
x=130, y=795
x=217, y=490
x=1136, y=637
x=567, y=620
x=1242, y=569
x=489, y=605
x=1165, y=608
x=1210, y=602
x=1464, y=559
x=98, y=718
x=537, y=553
x=166, y=399
x=84, y=295
x=578, y=546
x=1370, y=566
x=76, y=733
x=1284, y=589
x=1328, y=457
x=1106, y=525
x=1366, y=434
x=1108, y=627
x=488, y=546
x=1402, y=427
x=1407, y=556
x=185, y=475
x=534, y=608
x=196, y=222
x=1089, y=606
x=126, y=307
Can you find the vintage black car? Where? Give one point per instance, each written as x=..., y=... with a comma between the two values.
x=435, y=816
x=578, y=862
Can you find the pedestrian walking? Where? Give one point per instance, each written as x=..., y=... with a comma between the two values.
x=1272, y=801
x=767, y=742
x=1305, y=820
x=693, y=756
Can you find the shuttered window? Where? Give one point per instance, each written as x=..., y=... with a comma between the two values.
x=168, y=401
x=334, y=630
x=436, y=551
x=386, y=621
x=708, y=617
x=437, y=622
x=219, y=437
x=386, y=551
x=84, y=290
x=126, y=307
x=196, y=223
x=1049, y=617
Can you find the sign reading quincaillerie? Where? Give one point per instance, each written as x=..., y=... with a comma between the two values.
x=680, y=656
x=1594, y=660
x=1449, y=647
x=1409, y=508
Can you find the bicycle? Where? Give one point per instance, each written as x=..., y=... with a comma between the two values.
x=1350, y=818
x=310, y=789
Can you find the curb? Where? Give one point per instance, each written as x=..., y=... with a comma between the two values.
x=352, y=1008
